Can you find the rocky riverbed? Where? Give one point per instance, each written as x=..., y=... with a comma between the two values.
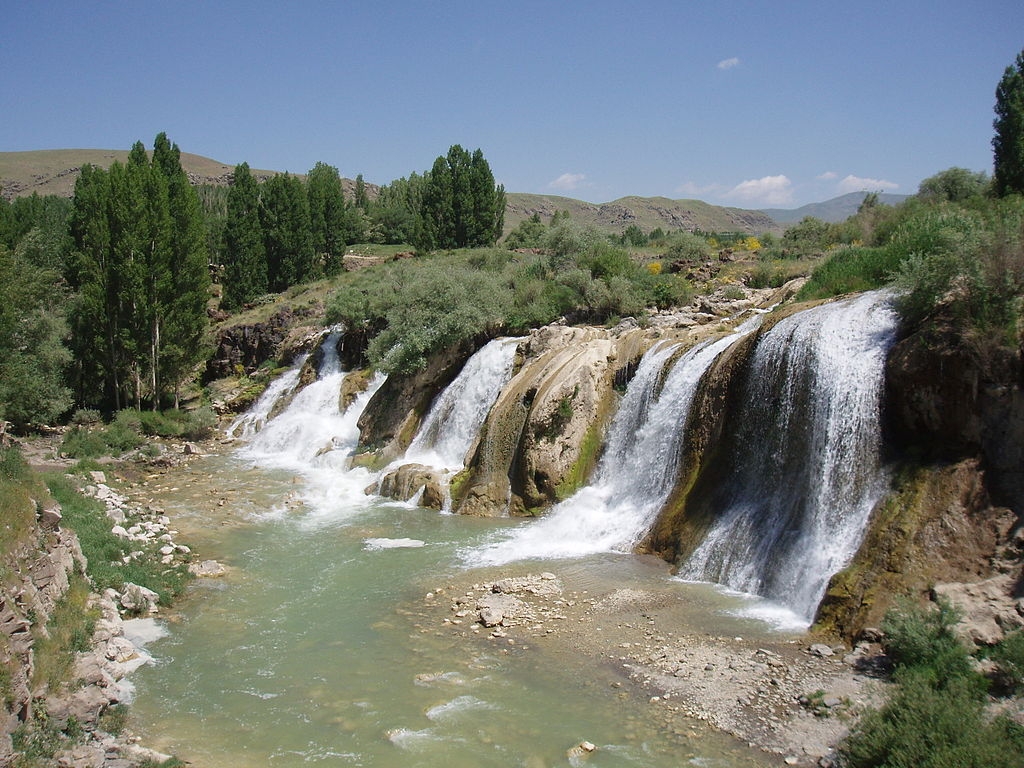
x=792, y=698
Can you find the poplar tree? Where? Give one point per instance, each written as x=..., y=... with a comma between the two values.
x=461, y=207
x=245, y=263
x=1008, y=142
x=326, y=216
x=284, y=220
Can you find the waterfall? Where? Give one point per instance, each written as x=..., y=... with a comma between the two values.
x=253, y=420
x=637, y=470
x=313, y=438
x=805, y=468
x=455, y=417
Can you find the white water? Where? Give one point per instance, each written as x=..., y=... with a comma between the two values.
x=314, y=439
x=636, y=472
x=459, y=411
x=253, y=420
x=806, y=466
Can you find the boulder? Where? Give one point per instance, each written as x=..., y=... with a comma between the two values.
x=136, y=599
x=403, y=483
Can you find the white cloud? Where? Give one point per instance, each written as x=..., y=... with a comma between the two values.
x=567, y=182
x=768, y=190
x=729, y=63
x=856, y=184
x=827, y=176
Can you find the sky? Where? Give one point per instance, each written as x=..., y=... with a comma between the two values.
x=751, y=104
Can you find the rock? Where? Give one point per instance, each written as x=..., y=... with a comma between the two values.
x=207, y=569
x=191, y=449
x=406, y=481
x=136, y=599
x=50, y=517
x=821, y=650
x=491, y=617
x=98, y=477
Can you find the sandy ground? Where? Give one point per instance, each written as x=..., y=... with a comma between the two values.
x=794, y=699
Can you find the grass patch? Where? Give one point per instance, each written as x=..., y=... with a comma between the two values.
x=19, y=492
x=68, y=632
x=105, y=551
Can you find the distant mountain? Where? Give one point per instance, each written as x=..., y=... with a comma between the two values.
x=835, y=210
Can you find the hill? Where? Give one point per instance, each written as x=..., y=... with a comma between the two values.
x=53, y=172
x=645, y=212
x=835, y=210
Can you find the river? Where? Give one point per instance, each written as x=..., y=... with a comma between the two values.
x=320, y=648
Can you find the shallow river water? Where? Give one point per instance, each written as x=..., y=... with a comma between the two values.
x=317, y=649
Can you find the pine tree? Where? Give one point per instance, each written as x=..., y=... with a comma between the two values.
x=1008, y=142
x=245, y=267
x=461, y=207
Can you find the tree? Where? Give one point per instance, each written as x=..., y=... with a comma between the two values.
x=284, y=220
x=461, y=207
x=326, y=200
x=33, y=358
x=245, y=263
x=1008, y=142
x=955, y=185
x=188, y=283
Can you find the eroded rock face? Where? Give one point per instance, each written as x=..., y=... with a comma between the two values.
x=391, y=418
x=951, y=396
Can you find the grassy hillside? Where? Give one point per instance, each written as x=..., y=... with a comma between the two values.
x=53, y=171
x=645, y=212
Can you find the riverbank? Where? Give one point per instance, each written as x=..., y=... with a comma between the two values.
x=791, y=697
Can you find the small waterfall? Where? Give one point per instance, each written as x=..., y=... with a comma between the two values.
x=313, y=438
x=253, y=420
x=459, y=411
x=805, y=467
x=637, y=470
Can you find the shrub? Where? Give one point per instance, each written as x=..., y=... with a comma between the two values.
x=686, y=246
x=1008, y=655
x=923, y=639
x=926, y=727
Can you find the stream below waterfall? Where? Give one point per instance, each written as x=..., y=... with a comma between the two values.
x=316, y=648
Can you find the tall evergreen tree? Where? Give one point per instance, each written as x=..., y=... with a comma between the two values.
x=188, y=280
x=461, y=207
x=284, y=219
x=245, y=267
x=361, y=199
x=326, y=216
x=1008, y=142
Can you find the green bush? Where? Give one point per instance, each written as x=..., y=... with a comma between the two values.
x=923, y=639
x=850, y=270
x=1008, y=655
x=926, y=727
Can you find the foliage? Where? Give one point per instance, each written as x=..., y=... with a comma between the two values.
x=929, y=727
x=1008, y=654
x=850, y=270
x=139, y=270
x=954, y=185
x=245, y=262
x=936, y=718
x=529, y=233
x=460, y=207
x=33, y=359
x=685, y=246
x=1008, y=142
x=19, y=490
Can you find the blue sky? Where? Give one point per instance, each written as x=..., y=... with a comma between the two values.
x=753, y=104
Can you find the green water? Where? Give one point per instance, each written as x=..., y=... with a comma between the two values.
x=317, y=650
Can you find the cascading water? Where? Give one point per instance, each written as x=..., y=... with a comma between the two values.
x=805, y=467
x=313, y=438
x=253, y=420
x=636, y=472
x=459, y=411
